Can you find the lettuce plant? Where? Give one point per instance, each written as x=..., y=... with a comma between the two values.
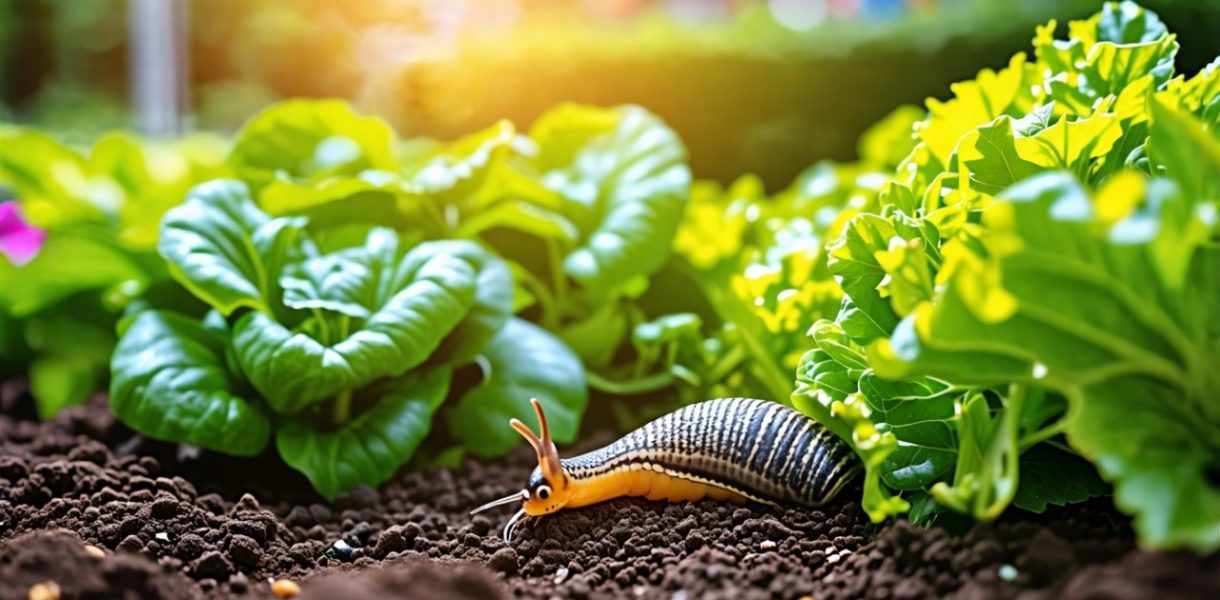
x=345, y=357
x=1032, y=302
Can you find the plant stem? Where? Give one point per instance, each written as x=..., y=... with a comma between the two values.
x=630, y=387
x=342, y=408
x=1005, y=450
x=558, y=280
x=1043, y=434
x=727, y=364
x=323, y=326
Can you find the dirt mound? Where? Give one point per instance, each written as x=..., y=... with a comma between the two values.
x=175, y=524
x=417, y=580
x=59, y=558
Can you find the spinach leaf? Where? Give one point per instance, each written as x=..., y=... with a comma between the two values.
x=170, y=381
x=372, y=446
x=552, y=374
x=624, y=178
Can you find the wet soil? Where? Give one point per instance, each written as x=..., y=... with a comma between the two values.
x=100, y=512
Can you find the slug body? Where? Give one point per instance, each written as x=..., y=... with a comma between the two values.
x=735, y=449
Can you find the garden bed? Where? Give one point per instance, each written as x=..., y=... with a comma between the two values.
x=173, y=525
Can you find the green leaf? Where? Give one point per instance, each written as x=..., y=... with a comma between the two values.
x=60, y=381
x=1199, y=95
x=1182, y=145
x=1070, y=144
x=169, y=381
x=1127, y=23
x=667, y=328
x=69, y=348
x=413, y=301
x=520, y=216
x=1051, y=476
x=624, y=177
x=990, y=155
x=990, y=95
x=303, y=153
x=50, y=179
x=493, y=302
x=462, y=166
x=122, y=184
x=226, y=251
x=1117, y=46
x=918, y=413
x=373, y=445
x=338, y=283
x=891, y=139
x=522, y=361
x=824, y=392
x=74, y=259
x=853, y=260
x=596, y=338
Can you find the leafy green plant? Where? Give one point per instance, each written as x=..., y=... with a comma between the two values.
x=583, y=206
x=343, y=356
x=760, y=260
x=1036, y=289
x=100, y=210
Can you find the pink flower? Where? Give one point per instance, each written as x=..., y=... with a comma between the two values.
x=19, y=240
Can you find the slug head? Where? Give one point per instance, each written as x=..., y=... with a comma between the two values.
x=548, y=488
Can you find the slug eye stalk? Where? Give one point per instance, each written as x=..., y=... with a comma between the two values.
x=544, y=446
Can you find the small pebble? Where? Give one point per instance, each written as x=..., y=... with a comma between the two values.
x=162, y=536
x=561, y=575
x=48, y=590
x=340, y=550
x=766, y=545
x=833, y=558
x=94, y=551
x=285, y=588
x=1008, y=572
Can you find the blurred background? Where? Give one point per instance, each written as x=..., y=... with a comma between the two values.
x=763, y=86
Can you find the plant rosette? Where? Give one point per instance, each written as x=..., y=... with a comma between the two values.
x=344, y=357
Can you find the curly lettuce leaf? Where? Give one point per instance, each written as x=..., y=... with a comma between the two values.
x=1104, y=54
x=903, y=430
x=1131, y=346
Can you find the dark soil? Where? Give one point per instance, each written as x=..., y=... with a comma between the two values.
x=175, y=524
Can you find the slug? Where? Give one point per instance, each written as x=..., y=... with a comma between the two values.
x=734, y=449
